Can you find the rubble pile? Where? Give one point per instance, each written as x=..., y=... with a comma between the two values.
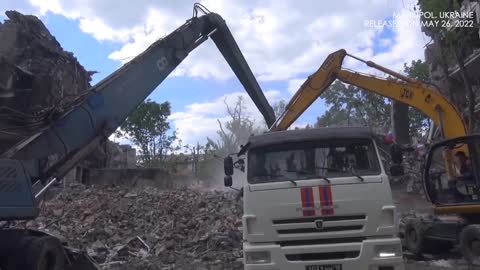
x=148, y=228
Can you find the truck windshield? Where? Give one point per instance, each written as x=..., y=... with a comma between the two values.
x=312, y=160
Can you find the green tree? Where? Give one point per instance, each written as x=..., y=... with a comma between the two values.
x=331, y=117
x=419, y=122
x=149, y=129
x=350, y=105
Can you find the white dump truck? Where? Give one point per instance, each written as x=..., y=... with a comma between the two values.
x=316, y=199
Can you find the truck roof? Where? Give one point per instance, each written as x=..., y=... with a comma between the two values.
x=324, y=133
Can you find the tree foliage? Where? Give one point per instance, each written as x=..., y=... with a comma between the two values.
x=198, y=153
x=234, y=132
x=350, y=105
x=147, y=127
x=279, y=108
x=435, y=7
x=419, y=122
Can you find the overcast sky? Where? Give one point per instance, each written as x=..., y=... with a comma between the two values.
x=283, y=41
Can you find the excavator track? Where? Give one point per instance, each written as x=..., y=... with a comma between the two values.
x=36, y=250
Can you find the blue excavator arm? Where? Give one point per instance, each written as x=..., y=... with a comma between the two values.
x=99, y=113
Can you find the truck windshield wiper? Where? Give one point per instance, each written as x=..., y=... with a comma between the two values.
x=313, y=175
x=352, y=172
x=321, y=177
x=324, y=178
x=293, y=181
x=276, y=175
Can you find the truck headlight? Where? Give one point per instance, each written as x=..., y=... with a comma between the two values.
x=385, y=251
x=257, y=257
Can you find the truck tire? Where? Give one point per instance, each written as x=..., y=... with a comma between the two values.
x=470, y=242
x=414, y=236
x=43, y=253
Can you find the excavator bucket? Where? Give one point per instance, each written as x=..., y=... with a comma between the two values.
x=27, y=248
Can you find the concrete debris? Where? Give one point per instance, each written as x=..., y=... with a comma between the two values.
x=148, y=228
x=442, y=263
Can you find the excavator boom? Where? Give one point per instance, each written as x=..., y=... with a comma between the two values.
x=102, y=110
x=310, y=90
x=115, y=97
x=406, y=90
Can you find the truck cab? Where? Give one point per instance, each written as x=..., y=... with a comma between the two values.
x=317, y=199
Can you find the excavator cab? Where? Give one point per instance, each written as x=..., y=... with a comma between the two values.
x=451, y=173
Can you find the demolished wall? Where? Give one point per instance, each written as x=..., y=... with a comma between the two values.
x=57, y=78
x=39, y=81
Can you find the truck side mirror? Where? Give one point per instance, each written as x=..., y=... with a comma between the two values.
x=228, y=166
x=227, y=180
x=397, y=170
x=396, y=153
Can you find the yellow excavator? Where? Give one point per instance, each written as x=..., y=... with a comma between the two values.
x=451, y=172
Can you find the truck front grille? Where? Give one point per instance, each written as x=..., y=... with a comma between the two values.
x=310, y=225
x=315, y=230
x=322, y=256
x=327, y=241
x=312, y=219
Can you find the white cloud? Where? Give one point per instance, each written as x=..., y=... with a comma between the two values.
x=101, y=31
x=294, y=85
x=407, y=44
x=19, y=5
x=279, y=38
x=199, y=120
x=385, y=42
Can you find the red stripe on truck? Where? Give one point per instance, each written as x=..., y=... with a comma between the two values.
x=322, y=199
x=310, y=202
x=326, y=200
x=330, y=199
x=303, y=192
x=307, y=201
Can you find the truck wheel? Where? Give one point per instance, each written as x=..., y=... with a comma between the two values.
x=414, y=236
x=43, y=253
x=470, y=242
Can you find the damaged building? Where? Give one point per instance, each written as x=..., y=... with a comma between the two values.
x=39, y=82
x=445, y=71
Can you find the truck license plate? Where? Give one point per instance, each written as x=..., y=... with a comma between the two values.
x=324, y=267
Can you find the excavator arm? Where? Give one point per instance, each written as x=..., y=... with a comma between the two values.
x=114, y=98
x=406, y=90
x=102, y=110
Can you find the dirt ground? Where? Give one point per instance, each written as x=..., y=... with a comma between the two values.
x=439, y=265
